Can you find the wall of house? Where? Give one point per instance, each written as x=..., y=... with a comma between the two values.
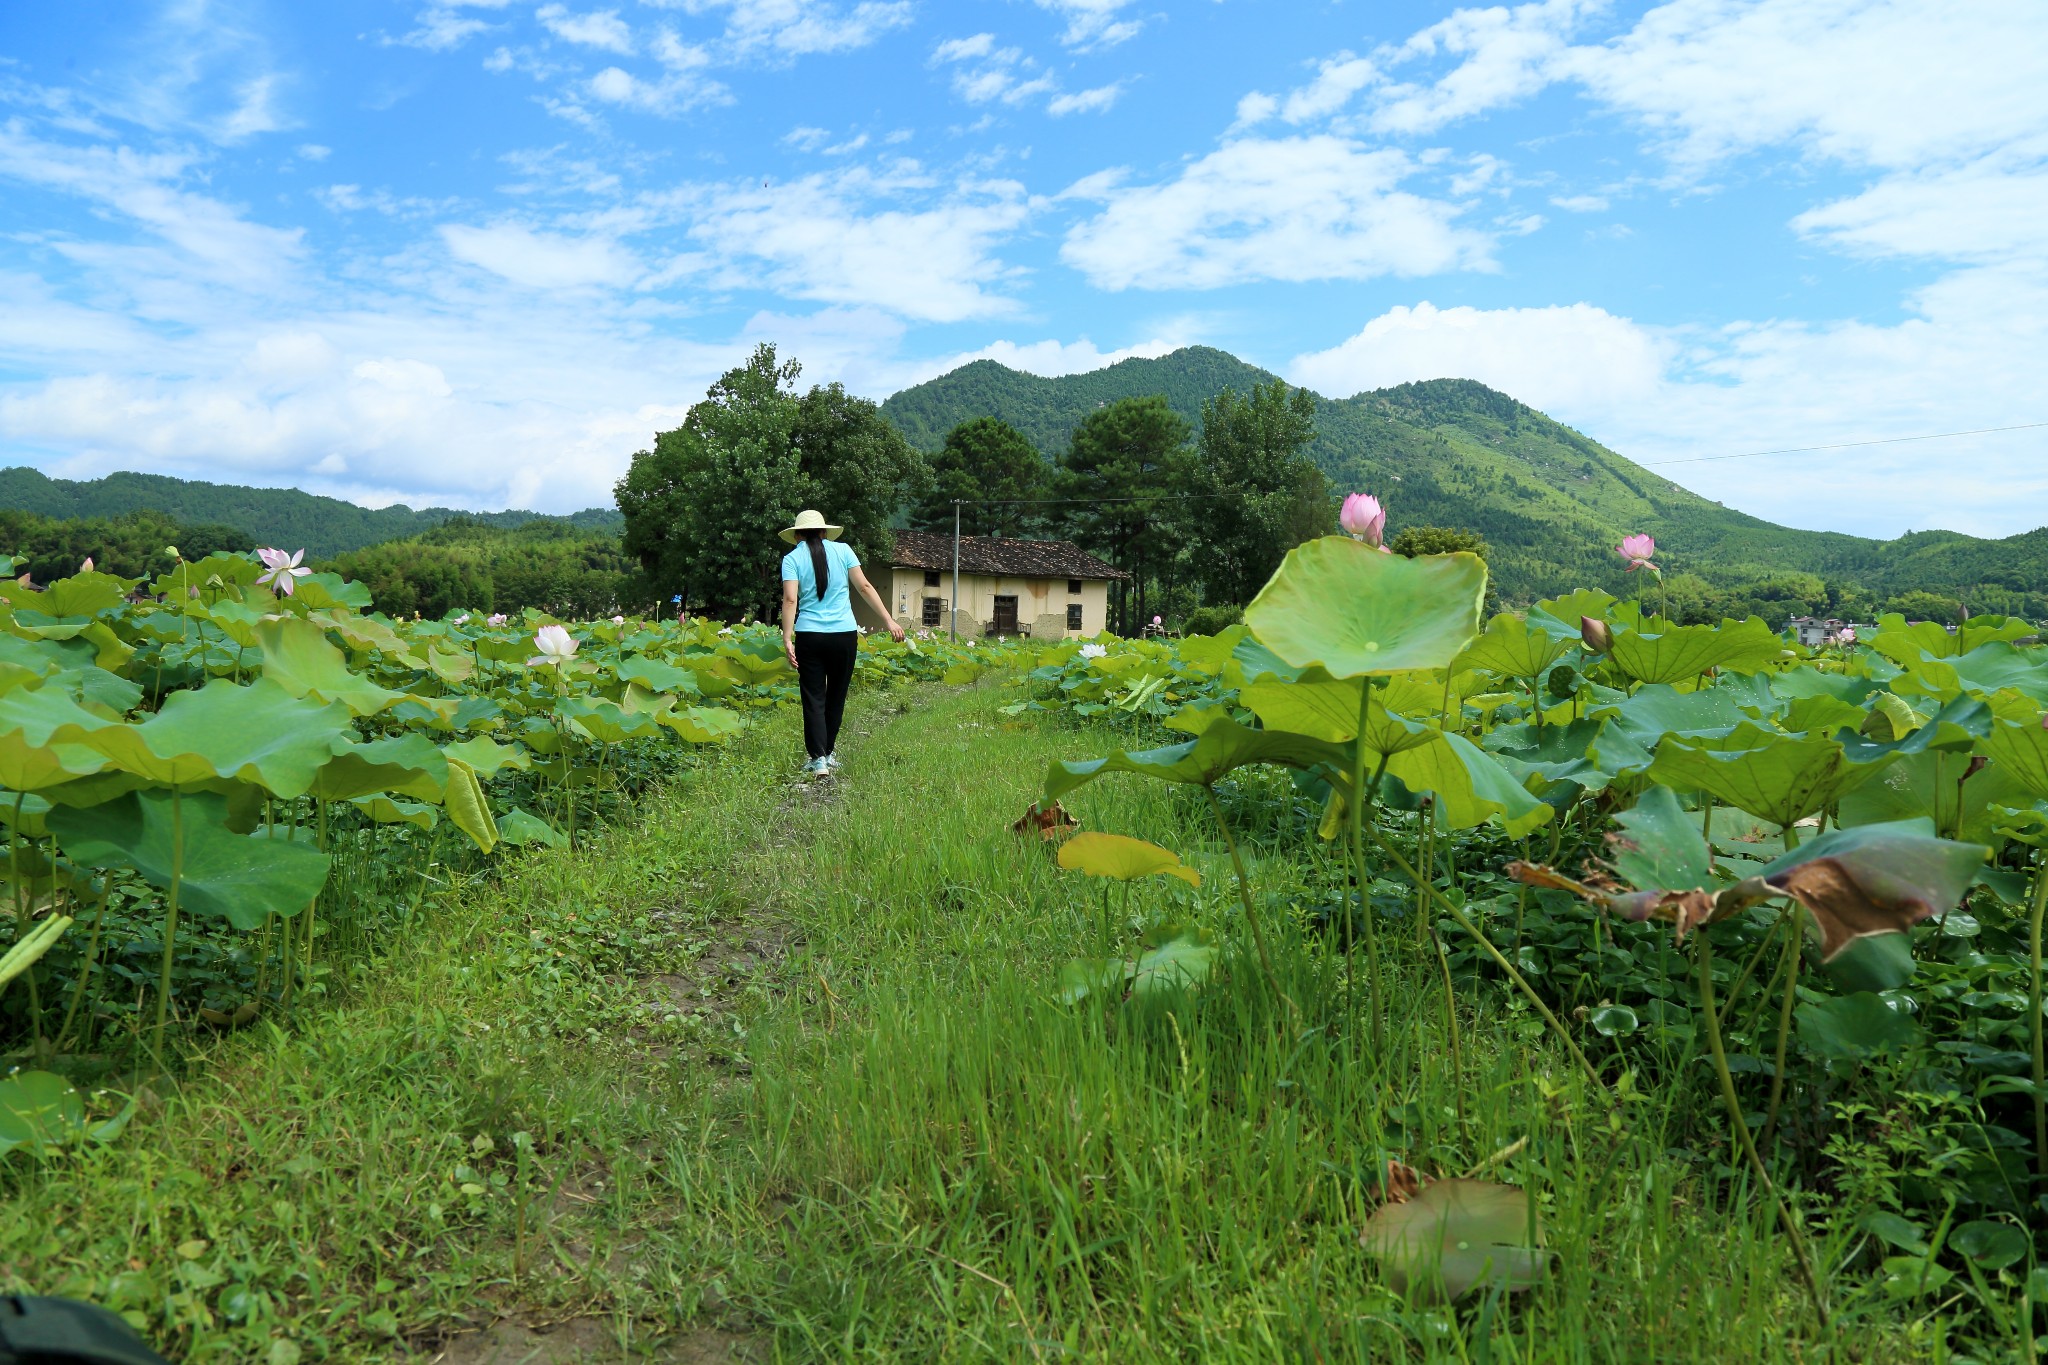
x=1041, y=602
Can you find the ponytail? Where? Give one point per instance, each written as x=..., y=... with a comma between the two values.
x=821, y=567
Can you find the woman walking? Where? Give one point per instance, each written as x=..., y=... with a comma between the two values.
x=818, y=630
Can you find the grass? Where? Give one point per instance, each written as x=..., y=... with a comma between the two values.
x=782, y=1075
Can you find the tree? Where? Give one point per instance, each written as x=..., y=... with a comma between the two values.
x=989, y=466
x=1261, y=495
x=702, y=508
x=1127, y=457
x=1921, y=605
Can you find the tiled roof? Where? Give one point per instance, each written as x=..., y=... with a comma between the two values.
x=992, y=555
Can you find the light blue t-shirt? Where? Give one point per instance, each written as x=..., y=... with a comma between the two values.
x=836, y=611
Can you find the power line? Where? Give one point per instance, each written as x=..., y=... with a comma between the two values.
x=1846, y=445
x=1050, y=502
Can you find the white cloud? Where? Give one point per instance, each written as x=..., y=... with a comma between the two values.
x=965, y=49
x=800, y=27
x=1085, y=101
x=1337, y=79
x=673, y=92
x=313, y=151
x=1307, y=208
x=1982, y=211
x=440, y=29
x=1573, y=359
x=602, y=29
x=1093, y=23
x=1507, y=54
x=1580, y=203
x=898, y=241
x=541, y=260
x=1053, y=358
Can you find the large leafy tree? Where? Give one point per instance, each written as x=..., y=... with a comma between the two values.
x=1261, y=494
x=703, y=506
x=1126, y=469
x=995, y=472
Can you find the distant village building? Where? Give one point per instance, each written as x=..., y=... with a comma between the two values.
x=1046, y=589
x=1814, y=631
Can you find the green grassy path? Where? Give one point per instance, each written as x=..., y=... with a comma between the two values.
x=780, y=1074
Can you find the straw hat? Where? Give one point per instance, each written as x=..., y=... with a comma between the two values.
x=808, y=520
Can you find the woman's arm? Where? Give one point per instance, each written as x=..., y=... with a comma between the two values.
x=789, y=620
x=867, y=589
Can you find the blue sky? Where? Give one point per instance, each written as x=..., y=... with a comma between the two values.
x=475, y=252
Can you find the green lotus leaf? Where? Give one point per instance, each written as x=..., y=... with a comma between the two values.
x=605, y=721
x=260, y=734
x=1874, y=962
x=1890, y=718
x=1470, y=786
x=451, y=668
x=1173, y=959
x=1340, y=603
x=2021, y=753
x=1088, y=976
x=1937, y=787
x=240, y=877
x=1561, y=616
x=43, y=740
x=236, y=620
x=1660, y=848
x=40, y=1110
x=1982, y=672
x=467, y=809
x=1121, y=857
x=85, y=594
x=386, y=810
x=1202, y=761
x=702, y=724
x=1681, y=652
x=42, y=657
x=363, y=633
x=405, y=765
x=1456, y=1235
x=518, y=828
x=660, y=677
x=1954, y=729
x=1547, y=754
x=94, y=687
x=1823, y=715
x=1793, y=683
x=1992, y=1246
x=487, y=757
x=1776, y=777
x=299, y=659
x=1515, y=647
x=325, y=590
x=1855, y=1027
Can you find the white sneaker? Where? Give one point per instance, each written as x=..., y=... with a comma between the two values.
x=817, y=767
x=831, y=762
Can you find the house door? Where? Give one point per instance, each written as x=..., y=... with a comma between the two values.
x=1006, y=616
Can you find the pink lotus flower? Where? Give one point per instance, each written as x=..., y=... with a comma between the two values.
x=496, y=618
x=1363, y=518
x=1848, y=635
x=618, y=620
x=87, y=566
x=281, y=572
x=1637, y=549
x=1157, y=621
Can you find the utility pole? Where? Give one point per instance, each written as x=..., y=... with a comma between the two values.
x=954, y=615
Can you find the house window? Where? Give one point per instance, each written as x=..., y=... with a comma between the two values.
x=933, y=606
x=1073, y=616
x=1074, y=586
x=931, y=578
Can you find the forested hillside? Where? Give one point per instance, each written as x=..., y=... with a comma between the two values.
x=285, y=517
x=1550, y=501
x=468, y=563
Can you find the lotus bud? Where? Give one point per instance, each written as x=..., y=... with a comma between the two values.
x=86, y=567
x=1363, y=518
x=1595, y=633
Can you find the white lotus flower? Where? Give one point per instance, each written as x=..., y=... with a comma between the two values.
x=556, y=645
x=281, y=572
x=462, y=620
x=1093, y=651
x=618, y=620
x=496, y=618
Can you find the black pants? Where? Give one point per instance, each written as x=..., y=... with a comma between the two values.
x=824, y=666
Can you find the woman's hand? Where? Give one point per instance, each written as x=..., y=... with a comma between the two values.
x=789, y=649
x=895, y=630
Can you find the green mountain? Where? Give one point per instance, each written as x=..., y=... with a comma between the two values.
x=284, y=517
x=1551, y=503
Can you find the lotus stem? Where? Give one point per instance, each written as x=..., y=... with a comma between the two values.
x=1734, y=1106
x=1486, y=945
x=1361, y=804
x=1244, y=894
x=2034, y=1012
x=21, y=918
x=1443, y=963
x=1793, y=944
x=163, y=991
x=92, y=948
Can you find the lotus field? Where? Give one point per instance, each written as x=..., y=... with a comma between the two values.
x=1370, y=980
x=1806, y=881
x=209, y=775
